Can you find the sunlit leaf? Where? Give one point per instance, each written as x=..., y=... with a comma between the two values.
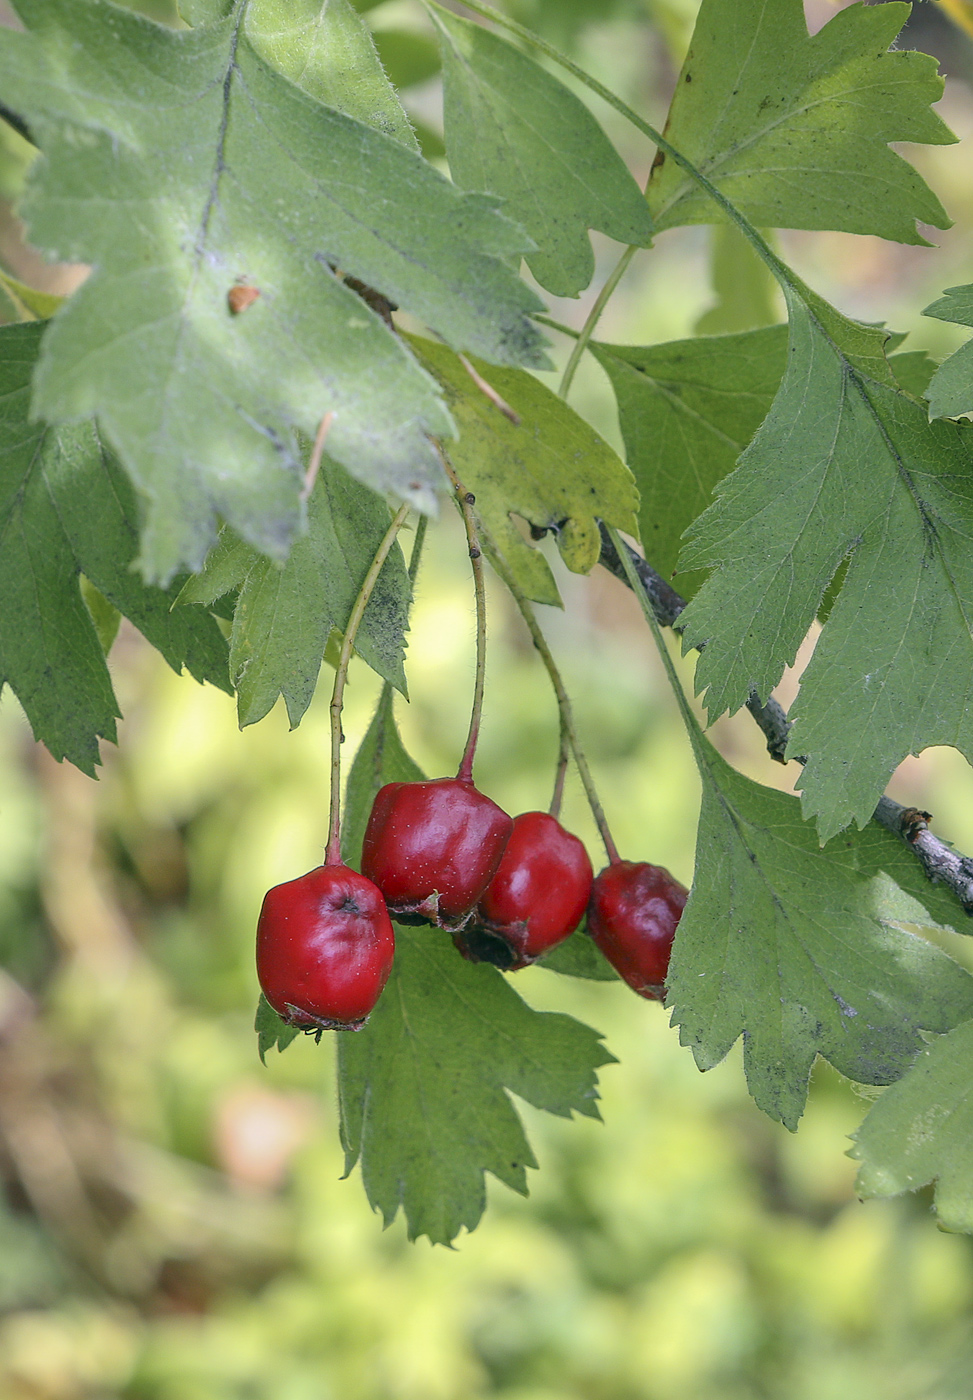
x=550, y=467
x=795, y=129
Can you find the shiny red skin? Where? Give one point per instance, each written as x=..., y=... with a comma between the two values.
x=632, y=916
x=432, y=848
x=540, y=890
x=324, y=948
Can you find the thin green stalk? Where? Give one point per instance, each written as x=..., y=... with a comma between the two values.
x=563, y=754
x=333, y=853
x=594, y=316
x=466, y=501
x=637, y=587
x=563, y=702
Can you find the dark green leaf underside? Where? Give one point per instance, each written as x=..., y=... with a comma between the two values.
x=67, y=508
x=797, y=951
x=844, y=470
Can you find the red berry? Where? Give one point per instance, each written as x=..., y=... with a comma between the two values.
x=324, y=948
x=432, y=848
x=632, y=916
x=535, y=899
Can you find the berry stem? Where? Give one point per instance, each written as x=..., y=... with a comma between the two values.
x=568, y=729
x=564, y=753
x=332, y=855
x=638, y=588
x=593, y=317
x=466, y=501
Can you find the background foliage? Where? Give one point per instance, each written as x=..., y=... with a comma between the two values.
x=175, y=1224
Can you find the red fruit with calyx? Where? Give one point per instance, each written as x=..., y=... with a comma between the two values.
x=632, y=916
x=432, y=849
x=324, y=948
x=535, y=899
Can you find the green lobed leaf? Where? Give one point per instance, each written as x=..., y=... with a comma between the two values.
x=843, y=471
x=920, y=1131
x=327, y=49
x=951, y=390
x=550, y=468
x=179, y=163
x=513, y=129
x=794, y=129
x=797, y=951
x=66, y=507
x=285, y=614
x=424, y=1088
x=271, y=1030
x=687, y=409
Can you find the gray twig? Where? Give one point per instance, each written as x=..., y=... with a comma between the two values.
x=940, y=862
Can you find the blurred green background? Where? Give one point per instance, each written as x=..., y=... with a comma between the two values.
x=173, y=1224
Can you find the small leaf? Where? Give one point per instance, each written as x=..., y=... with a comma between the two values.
x=66, y=507
x=551, y=468
x=921, y=1129
x=271, y=1030
x=512, y=129
x=579, y=956
x=425, y=1086
x=687, y=410
x=794, y=950
x=285, y=615
x=381, y=758
x=794, y=129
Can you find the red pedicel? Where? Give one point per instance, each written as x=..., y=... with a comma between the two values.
x=324, y=948
x=535, y=899
x=632, y=916
x=432, y=848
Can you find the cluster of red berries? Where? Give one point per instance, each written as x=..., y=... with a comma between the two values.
x=443, y=853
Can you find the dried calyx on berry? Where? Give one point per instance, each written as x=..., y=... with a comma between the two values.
x=432, y=848
x=325, y=947
x=632, y=916
x=535, y=899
